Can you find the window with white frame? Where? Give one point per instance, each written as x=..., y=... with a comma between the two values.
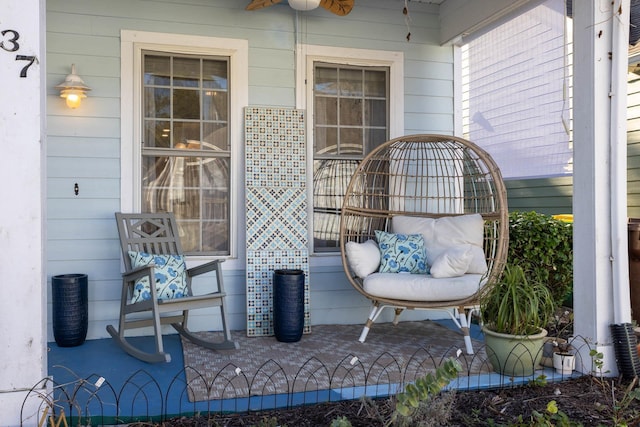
x=351, y=117
x=181, y=125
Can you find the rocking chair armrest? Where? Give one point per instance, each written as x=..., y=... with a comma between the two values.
x=204, y=268
x=138, y=273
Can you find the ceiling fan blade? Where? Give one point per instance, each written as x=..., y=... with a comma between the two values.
x=259, y=4
x=339, y=7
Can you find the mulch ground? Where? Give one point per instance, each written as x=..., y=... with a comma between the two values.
x=586, y=401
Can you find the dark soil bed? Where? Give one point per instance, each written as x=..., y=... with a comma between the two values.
x=585, y=401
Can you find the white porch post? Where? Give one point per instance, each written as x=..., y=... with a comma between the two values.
x=23, y=309
x=601, y=280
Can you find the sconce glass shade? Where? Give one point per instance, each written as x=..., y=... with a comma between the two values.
x=73, y=89
x=304, y=4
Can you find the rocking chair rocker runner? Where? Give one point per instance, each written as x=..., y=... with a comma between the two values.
x=156, y=286
x=449, y=191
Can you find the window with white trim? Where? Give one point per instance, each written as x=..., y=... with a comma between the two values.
x=182, y=104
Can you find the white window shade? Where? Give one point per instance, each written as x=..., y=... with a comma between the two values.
x=516, y=98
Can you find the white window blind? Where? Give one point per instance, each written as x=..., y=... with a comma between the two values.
x=516, y=98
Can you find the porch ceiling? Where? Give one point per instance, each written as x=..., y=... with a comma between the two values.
x=634, y=18
x=462, y=18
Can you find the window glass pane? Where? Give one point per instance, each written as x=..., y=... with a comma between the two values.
x=214, y=74
x=375, y=84
x=216, y=204
x=189, y=235
x=214, y=105
x=186, y=104
x=374, y=137
x=157, y=102
x=326, y=111
x=157, y=133
x=185, y=132
x=215, y=236
x=350, y=112
x=375, y=112
x=187, y=203
x=215, y=137
x=350, y=82
x=351, y=141
x=157, y=70
x=325, y=81
x=326, y=140
x=186, y=72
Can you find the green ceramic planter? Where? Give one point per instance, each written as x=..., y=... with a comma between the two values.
x=514, y=355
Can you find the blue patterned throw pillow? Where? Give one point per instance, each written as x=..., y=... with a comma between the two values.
x=401, y=253
x=170, y=273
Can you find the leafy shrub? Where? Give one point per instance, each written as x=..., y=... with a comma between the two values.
x=543, y=245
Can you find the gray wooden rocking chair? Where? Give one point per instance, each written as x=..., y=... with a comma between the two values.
x=145, y=235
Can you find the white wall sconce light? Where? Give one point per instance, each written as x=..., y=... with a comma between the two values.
x=73, y=89
x=304, y=4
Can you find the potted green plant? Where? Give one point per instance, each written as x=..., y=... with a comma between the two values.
x=514, y=312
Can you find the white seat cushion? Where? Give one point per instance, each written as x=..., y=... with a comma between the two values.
x=421, y=287
x=443, y=233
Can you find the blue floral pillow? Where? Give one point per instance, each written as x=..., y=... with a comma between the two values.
x=170, y=273
x=401, y=253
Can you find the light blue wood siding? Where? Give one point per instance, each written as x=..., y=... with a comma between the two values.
x=83, y=145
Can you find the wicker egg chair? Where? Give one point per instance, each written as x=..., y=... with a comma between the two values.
x=427, y=176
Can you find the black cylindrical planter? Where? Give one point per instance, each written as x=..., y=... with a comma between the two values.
x=288, y=305
x=624, y=345
x=70, y=309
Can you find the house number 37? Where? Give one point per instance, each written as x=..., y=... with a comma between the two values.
x=9, y=43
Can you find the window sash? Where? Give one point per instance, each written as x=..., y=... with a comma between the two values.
x=185, y=151
x=351, y=118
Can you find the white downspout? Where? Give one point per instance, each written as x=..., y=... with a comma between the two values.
x=618, y=166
